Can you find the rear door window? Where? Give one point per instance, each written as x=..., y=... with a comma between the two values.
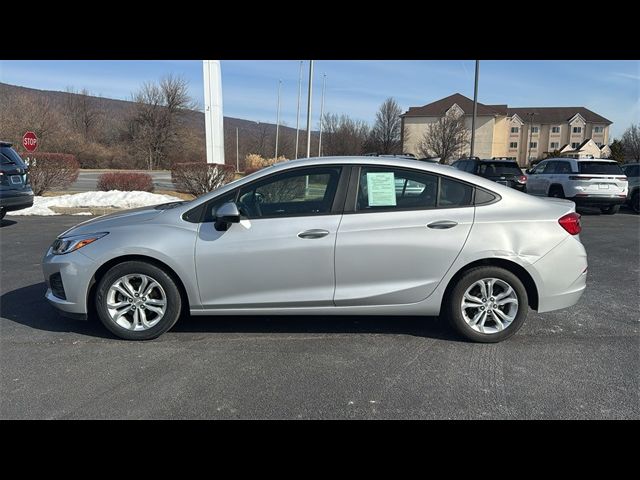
x=600, y=168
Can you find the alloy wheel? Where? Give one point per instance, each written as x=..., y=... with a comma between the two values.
x=489, y=305
x=136, y=302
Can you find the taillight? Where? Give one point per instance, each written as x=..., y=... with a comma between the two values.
x=571, y=223
x=521, y=179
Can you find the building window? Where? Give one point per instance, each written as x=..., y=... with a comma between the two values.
x=533, y=144
x=575, y=145
x=555, y=129
x=577, y=129
x=598, y=129
x=534, y=130
x=513, y=145
x=515, y=129
x=554, y=145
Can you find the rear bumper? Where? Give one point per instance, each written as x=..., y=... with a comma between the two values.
x=16, y=200
x=599, y=200
x=561, y=275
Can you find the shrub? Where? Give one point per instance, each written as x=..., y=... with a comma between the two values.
x=197, y=178
x=51, y=171
x=125, y=181
x=254, y=162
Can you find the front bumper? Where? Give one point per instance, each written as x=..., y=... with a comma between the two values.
x=12, y=200
x=76, y=271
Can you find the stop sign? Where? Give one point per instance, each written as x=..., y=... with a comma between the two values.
x=30, y=141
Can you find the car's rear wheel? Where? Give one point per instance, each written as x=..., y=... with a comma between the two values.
x=635, y=202
x=556, y=191
x=610, y=210
x=137, y=301
x=488, y=304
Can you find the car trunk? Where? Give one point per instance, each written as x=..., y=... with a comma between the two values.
x=600, y=178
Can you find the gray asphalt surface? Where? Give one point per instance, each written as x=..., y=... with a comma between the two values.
x=87, y=180
x=583, y=362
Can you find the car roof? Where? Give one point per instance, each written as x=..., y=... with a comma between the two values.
x=581, y=159
x=5, y=144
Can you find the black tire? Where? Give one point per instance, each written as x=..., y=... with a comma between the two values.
x=3, y=212
x=610, y=210
x=556, y=191
x=635, y=202
x=173, y=299
x=454, y=300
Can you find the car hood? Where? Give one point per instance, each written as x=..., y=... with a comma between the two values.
x=118, y=219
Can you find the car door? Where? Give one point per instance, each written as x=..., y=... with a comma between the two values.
x=401, y=231
x=281, y=254
x=534, y=179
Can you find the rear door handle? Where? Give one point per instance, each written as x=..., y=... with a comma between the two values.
x=313, y=233
x=442, y=224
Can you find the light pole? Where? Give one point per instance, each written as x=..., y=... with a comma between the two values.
x=324, y=84
x=298, y=114
x=278, y=119
x=530, y=137
x=475, y=110
x=309, y=94
x=237, y=151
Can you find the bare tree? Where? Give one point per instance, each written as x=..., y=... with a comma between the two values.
x=341, y=135
x=82, y=111
x=444, y=138
x=631, y=141
x=156, y=118
x=385, y=134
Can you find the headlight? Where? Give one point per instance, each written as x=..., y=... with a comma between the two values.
x=74, y=242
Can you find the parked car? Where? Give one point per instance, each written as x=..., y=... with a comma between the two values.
x=327, y=236
x=505, y=172
x=632, y=171
x=430, y=159
x=15, y=190
x=587, y=182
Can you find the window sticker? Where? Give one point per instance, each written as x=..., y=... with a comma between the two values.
x=381, y=189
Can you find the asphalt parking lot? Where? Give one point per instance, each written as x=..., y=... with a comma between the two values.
x=583, y=362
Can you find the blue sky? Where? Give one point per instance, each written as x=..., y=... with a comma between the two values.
x=610, y=88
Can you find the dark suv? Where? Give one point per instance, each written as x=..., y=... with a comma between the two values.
x=506, y=172
x=15, y=191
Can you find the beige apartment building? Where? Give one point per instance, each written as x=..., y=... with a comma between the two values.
x=522, y=134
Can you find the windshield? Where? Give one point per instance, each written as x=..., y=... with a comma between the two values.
x=600, y=168
x=491, y=169
x=8, y=156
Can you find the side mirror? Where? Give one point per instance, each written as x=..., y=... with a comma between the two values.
x=226, y=214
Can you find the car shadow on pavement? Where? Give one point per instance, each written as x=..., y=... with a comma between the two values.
x=7, y=223
x=429, y=327
x=27, y=306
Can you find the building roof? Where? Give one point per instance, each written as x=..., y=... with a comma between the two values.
x=440, y=107
x=556, y=114
x=541, y=114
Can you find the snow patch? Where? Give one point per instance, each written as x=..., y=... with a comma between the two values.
x=110, y=199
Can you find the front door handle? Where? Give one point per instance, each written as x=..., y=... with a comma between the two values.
x=442, y=224
x=313, y=233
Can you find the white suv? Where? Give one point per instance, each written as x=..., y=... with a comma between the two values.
x=589, y=182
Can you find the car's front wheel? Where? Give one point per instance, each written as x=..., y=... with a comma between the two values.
x=610, y=210
x=488, y=304
x=137, y=301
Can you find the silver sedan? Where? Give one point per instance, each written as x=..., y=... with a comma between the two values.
x=327, y=236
